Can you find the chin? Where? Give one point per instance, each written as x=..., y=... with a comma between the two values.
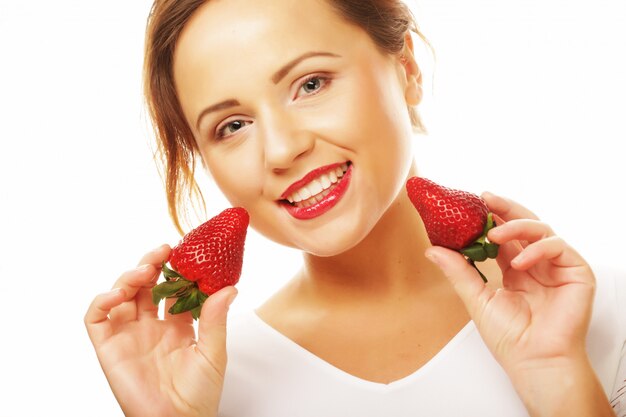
x=334, y=237
x=334, y=245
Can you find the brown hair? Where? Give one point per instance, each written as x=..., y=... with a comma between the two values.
x=386, y=22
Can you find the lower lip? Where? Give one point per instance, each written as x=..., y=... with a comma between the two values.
x=321, y=207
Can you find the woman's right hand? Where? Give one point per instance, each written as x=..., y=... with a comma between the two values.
x=157, y=367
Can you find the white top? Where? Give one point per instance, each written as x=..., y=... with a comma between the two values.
x=269, y=375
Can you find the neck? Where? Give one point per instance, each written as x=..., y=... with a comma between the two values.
x=388, y=263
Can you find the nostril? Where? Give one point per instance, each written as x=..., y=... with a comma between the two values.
x=283, y=148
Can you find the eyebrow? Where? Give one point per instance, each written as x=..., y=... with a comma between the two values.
x=216, y=107
x=278, y=75
x=284, y=70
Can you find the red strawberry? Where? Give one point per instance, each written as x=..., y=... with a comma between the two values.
x=207, y=259
x=454, y=219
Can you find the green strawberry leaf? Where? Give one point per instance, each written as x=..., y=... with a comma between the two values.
x=182, y=304
x=169, y=289
x=476, y=252
x=169, y=273
x=492, y=250
x=188, y=302
x=195, y=312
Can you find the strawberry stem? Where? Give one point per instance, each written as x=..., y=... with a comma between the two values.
x=471, y=262
x=482, y=249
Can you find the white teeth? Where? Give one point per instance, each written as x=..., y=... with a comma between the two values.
x=325, y=180
x=317, y=189
x=305, y=192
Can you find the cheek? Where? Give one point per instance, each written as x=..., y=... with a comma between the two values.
x=379, y=121
x=237, y=176
x=385, y=134
x=372, y=110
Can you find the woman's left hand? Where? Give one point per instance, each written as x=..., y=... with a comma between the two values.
x=538, y=321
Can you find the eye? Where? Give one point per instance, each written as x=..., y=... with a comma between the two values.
x=230, y=128
x=312, y=85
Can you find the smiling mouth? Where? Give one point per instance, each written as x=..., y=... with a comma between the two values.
x=318, y=188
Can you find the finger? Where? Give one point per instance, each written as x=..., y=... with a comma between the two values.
x=140, y=308
x=131, y=282
x=156, y=256
x=514, y=236
x=97, y=317
x=145, y=306
x=519, y=281
x=506, y=208
x=212, y=327
x=506, y=253
x=554, y=249
x=520, y=229
x=463, y=277
x=500, y=221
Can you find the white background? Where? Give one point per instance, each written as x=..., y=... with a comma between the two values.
x=529, y=101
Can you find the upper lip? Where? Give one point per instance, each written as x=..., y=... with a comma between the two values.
x=317, y=172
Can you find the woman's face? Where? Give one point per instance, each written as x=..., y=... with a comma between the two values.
x=283, y=96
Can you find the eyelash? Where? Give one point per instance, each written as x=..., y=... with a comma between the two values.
x=219, y=132
x=325, y=81
x=323, y=78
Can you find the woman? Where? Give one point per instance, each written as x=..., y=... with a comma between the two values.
x=269, y=95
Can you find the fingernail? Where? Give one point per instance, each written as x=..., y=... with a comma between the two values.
x=143, y=267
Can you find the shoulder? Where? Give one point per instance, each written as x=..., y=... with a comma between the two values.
x=265, y=366
x=607, y=330
x=610, y=300
x=610, y=297
x=251, y=344
x=241, y=325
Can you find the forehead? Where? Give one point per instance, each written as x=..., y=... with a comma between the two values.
x=219, y=21
x=231, y=35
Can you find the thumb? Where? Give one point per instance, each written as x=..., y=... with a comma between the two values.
x=463, y=277
x=212, y=326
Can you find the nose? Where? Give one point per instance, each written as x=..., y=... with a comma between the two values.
x=285, y=139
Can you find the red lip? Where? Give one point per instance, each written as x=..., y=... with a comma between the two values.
x=321, y=207
x=308, y=178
